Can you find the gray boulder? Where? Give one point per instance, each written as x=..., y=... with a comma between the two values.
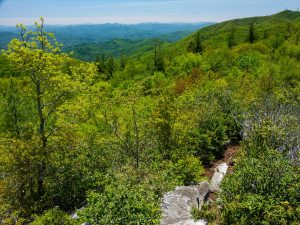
x=204, y=189
x=175, y=208
x=218, y=176
x=216, y=181
x=177, y=204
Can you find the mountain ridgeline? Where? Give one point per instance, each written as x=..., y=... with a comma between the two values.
x=89, y=41
x=145, y=115
x=215, y=36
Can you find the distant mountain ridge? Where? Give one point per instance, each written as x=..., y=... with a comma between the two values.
x=88, y=51
x=76, y=34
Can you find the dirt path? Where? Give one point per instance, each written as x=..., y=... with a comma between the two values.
x=228, y=157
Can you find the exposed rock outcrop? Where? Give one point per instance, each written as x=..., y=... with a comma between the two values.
x=177, y=205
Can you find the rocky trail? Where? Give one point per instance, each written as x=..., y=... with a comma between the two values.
x=177, y=204
x=227, y=158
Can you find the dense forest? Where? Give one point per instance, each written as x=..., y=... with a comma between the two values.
x=113, y=135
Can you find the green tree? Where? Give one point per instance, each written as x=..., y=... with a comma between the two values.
x=158, y=59
x=163, y=122
x=252, y=35
x=100, y=63
x=11, y=111
x=231, y=38
x=123, y=61
x=196, y=45
x=297, y=37
x=110, y=67
x=52, y=81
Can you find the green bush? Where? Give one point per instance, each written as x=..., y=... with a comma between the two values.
x=206, y=212
x=210, y=135
x=257, y=209
x=262, y=190
x=121, y=204
x=272, y=126
x=188, y=170
x=54, y=217
x=248, y=62
x=184, y=65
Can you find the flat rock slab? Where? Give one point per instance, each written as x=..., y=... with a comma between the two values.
x=177, y=204
x=216, y=181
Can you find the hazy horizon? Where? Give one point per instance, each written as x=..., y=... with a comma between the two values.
x=77, y=12
x=113, y=23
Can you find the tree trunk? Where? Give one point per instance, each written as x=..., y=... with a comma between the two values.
x=43, y=139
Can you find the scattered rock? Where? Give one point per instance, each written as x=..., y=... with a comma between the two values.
x=75, y=215
x=222, y=168
x=218, y=176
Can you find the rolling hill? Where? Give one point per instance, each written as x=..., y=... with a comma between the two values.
x=88, y=51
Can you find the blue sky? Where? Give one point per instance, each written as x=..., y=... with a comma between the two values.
x=136, y=11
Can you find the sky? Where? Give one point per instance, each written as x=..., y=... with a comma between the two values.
x=136, y=11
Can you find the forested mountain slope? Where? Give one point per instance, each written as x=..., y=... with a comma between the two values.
x=217, y=35
x=116, y=134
